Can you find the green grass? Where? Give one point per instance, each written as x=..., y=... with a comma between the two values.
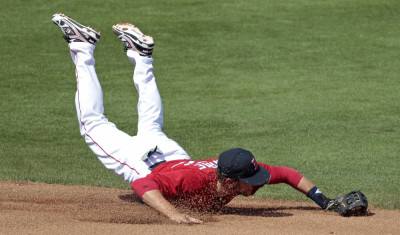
x=309, y=84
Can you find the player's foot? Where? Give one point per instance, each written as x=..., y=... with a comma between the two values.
x=74, y=31
x=134, y=39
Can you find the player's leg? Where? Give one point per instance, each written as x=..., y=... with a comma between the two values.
x=139, y=48
x=150, y=111
x=111, y=145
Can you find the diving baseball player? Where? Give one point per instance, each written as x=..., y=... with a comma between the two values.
x=160, y=171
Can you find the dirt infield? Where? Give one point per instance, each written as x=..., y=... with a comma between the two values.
x=32, y=208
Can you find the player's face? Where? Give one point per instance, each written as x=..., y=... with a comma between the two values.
x=235, y=187
x=245, y=189
x=228, y=187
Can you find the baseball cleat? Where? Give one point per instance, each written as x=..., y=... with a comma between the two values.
x=74, y=31
x=134, y=39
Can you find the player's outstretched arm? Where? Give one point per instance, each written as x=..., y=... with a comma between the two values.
x=156, y=200
x=305, y=185
x=290, y=176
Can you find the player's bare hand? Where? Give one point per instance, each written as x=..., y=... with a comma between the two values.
x=185, y=219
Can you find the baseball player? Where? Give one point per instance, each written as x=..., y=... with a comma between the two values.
x=158, y=169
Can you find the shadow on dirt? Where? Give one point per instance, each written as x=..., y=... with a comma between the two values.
x=301, y=208
x=130, y=198
x=245, y=211
x=277, y=211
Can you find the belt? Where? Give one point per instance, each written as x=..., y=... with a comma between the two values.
x=155, y=165
x=150, y=161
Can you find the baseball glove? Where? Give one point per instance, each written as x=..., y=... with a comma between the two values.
x=354, y=203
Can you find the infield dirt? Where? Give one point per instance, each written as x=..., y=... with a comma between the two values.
x=35, y=208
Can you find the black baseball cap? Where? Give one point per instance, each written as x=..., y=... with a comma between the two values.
x=240, y=164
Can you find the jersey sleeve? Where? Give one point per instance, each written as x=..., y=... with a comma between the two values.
x=282, y=174
x=141, y=186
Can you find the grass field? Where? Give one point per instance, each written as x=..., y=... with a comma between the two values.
x=309, y=84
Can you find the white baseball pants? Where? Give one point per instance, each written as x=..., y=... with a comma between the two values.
x=128, y=156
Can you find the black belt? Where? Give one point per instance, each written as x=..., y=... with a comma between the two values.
x=147, y=160
x=155, y=165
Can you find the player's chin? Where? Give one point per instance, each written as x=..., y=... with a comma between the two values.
x=246, y=194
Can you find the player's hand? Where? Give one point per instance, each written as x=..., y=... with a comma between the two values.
x=184, y=219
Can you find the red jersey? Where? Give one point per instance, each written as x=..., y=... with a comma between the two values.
x=193, y=184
